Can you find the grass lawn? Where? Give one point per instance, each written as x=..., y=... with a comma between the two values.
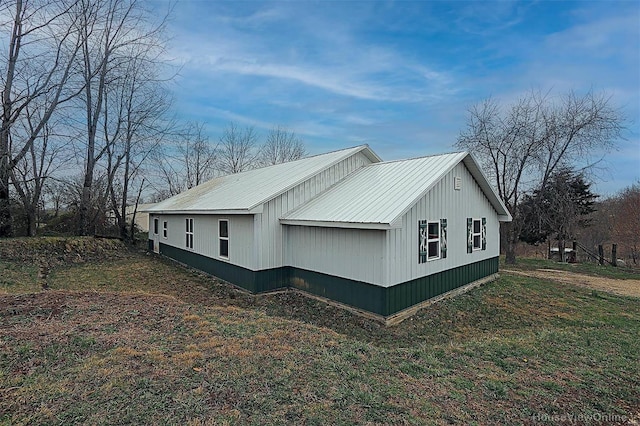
x=140, y=340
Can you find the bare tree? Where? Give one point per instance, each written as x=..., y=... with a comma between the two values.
x=188, y=162
x=110, y=30
x=199, y=156
x=237, y=150
x=54, y=195
x=626, y=221
x=523, y=144
x=281, y=146
x=43, y=43
x=73, y=189
x=133, y=126
x=30, y=174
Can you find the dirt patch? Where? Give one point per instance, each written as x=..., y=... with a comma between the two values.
x=609, y=285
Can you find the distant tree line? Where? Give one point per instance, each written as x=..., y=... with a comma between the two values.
x=616, y=220
x=86, y=118
x=194, y=159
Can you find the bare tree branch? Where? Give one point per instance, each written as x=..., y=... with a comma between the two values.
x=522, y=145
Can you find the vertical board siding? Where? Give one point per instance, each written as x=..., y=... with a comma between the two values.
x=350, y=292
x=272, y=231
x=442, y=202
x=354, y=254
x=205, y=236
x=407, y=294
x=362, y=295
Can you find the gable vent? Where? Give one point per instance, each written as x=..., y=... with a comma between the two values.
x=457, y=183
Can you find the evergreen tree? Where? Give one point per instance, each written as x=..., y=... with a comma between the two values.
x=558, y=209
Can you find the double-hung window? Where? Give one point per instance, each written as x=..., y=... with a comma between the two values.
x=189, y=233
x=431, y=240
x=477, y=234
x=164, y=229
x=223, y=238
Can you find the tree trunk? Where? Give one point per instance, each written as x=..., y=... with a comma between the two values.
x=32, y=228
x=511, y=242
x=85, y=202
x=5, y=206
x=600, y=254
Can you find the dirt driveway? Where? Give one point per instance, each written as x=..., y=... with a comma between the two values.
x=621, y=287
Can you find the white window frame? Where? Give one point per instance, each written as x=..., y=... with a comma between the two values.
x=475, y=234
x=435, y=239
x=189, y=233
x=165, y=229
x=221, y=238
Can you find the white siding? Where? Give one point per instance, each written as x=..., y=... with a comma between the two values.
x=348, y=253
x=205, y=238
x=442, y=202
x=271, y=252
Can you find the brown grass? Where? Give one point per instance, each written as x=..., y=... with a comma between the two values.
x=142, y=341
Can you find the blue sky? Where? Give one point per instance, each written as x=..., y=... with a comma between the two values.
x=399, y=75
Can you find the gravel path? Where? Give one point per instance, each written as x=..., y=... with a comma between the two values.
x=621, y=287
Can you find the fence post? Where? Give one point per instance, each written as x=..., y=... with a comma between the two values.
x=614, y=254
x=600, y=254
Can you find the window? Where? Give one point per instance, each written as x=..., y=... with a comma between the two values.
x=477, y=234
x=433, y=241
x=155, y=226
x=164, y=229
x=223, y=237
x=189, y=233
x=429, y=239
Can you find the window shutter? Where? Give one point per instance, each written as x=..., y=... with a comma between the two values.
x=484, y=233
x=422, y=241
x=443, y=238
x=469, y=235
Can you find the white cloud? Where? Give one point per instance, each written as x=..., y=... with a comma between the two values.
x=599, y=37
x=341, y=64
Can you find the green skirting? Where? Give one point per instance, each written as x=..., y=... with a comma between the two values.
x=378, y=300
x=254, y=281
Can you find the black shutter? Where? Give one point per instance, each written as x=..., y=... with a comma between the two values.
x=443, y=238
x=422, y=241
x=469, y=235
x=484, y=233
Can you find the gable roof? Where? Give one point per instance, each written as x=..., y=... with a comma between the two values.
x=246, y=192
x=377, y=195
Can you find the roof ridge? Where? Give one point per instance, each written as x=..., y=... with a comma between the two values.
x=417, y=158
x=362, y=146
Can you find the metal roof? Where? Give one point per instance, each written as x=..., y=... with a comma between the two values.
x=246, y=192
x=377, y=195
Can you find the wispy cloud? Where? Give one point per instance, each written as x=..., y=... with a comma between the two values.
x=343, y=64
x=397, y=75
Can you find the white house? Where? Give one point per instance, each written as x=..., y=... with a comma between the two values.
x=380, y=237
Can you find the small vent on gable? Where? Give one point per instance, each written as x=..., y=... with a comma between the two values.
x=457, y=183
